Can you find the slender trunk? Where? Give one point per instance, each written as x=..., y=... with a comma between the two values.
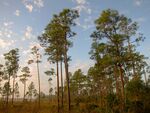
x=13, y=93
x=62, y=94
x=122, y=82
x=38, y=81
x=115, y=75
x=49, y=93
x=145, y=76
x=57, y=66
x=67, y=77
x=7, y=98
x=49, y=98
x=121, y=77
x=24, y=91
x=130, y=51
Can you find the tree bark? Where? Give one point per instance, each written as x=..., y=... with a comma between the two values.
x=67, y=77
x=38, y=72
x=13, y=90
x=57, y=66
x=7, y=98
x=130, y=51
x=122, y=82
x=115, y=75
x=62, y=93
x=24, y=91
x=145, y=76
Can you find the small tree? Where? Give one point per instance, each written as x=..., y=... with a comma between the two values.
x=11, y=68
x=50, y=73
x=36, y=53
x=24, y=77
x=32, y=92
x=1, y=77
x=16, y=90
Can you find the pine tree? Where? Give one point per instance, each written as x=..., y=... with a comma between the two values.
x=23, y=78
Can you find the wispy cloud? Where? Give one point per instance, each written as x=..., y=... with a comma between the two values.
x=82, y=5
x=83, y=65
x=17, y=13
x=29, y=7
x=32, y=44
x=39, y=3
x=28, y=32
x=81, y=1
x=86, y=24
x=138, y=2
x=31, y=4
x=6, y=29
x=140, y=19
x=6, y=43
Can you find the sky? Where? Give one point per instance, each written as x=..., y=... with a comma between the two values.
x=22, y=21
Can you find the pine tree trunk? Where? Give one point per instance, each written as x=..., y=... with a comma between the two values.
x=122, y=82
x=145, y=76
x=62, y=93
x=115, y=75
x=24, y=91
x=130, y=51
x=57, y=66
x=7, y=98
x=38, y=82
x=13, y=90
x=67, y=73
x=67, y=77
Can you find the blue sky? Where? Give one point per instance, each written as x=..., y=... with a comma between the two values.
x=22, y=21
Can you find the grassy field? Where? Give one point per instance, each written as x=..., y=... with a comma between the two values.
x=46, y=107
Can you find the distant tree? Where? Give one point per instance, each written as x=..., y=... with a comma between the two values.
x=50, y=73
x=43, y=95
x=77, y=82
x=32, y=92
x=50, y=93
x=37, y=60
x=11, y=68
x=1, y=77
x=5, y=90
x=16, y=90
x=15, y=70
x=24, y=77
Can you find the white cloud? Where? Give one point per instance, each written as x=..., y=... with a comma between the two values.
x=17, y=13
x=81, y=1
x=32, y=44
x=25, y=52
x=39, y=3
x=140, y=19
x=86, y=24
x=28, y=32
x=30, y=4
x=29, y=7
x=4, y=43
x=6, y=29
x=8, y=24
x=83, y=65
x=138, y=2
x=83, y=5
x=1, y=56
x=5, y=3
